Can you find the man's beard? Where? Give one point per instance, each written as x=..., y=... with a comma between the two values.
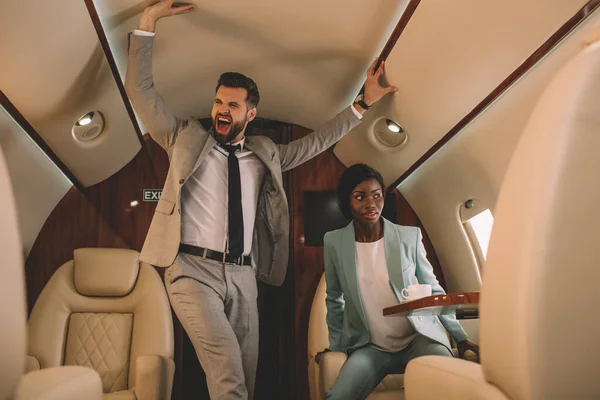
x=236, y=128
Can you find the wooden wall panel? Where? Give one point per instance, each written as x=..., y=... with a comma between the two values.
x=98, y=216
x=320, y=173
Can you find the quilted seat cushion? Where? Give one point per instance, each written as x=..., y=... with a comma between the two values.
x=101, y=341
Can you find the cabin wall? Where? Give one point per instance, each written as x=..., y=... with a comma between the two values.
x=102, y=216
x=38, y=185
x=473, y=165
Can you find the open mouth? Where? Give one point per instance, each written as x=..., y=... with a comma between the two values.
x=371, y=214
x=223, y=124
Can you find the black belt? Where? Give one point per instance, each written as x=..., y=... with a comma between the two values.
x=214, y=255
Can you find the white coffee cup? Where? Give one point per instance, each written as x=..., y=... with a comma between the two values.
x=414, y=292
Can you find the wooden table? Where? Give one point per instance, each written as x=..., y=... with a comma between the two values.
x=465, y=305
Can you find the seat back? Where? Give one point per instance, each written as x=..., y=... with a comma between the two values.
x=12, y=291
x=102, y=310
x=318, y=339
x=539, y=330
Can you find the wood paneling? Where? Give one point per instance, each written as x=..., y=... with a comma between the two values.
x=320, y=173
x=517, y=74
x=436, y=305
x=400, y=26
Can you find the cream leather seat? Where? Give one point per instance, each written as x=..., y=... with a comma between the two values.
x=322, y=377
x=107, y=310
x=65, y=383
x=540, y=297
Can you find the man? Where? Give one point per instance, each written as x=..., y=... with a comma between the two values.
x=222, y=220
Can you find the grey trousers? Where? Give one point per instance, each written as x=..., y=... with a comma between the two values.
x=216, y=304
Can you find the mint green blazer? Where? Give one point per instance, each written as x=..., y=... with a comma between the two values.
x=406, y=261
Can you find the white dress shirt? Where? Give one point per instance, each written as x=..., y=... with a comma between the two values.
x=388, y=333
x=204, y=196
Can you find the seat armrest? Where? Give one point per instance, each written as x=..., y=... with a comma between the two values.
x=432, y=377
x=31, y=364
x=330, y=366
x=154, y=377
x=60, y=383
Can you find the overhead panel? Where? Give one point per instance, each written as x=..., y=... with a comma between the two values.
x=449, y=58
x=54, y=71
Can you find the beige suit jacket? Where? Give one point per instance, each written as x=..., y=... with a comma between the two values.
x=187, y=144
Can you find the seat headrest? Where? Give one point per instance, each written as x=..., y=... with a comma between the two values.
x=105, y=272
x=539, y=336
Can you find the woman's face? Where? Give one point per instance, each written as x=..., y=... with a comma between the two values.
x=366, y=202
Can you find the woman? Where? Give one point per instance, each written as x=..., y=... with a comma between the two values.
x=367, y=264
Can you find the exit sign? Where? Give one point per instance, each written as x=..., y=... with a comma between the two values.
x=152, y=194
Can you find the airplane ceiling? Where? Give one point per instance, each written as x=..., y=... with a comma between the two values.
x=54, y=71
x=308, y=58
x=448, y=59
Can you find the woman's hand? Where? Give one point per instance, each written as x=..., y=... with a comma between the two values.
x=319, y=356
x=466, y=345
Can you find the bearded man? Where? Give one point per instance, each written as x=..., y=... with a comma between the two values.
x=222, y=220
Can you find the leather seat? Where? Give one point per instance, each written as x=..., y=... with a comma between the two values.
x=539, y=299
x=64, y=383
x=108, y=311
x=322, y=377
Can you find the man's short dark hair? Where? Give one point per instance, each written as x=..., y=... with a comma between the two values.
x=350, y=179
x=237, y=80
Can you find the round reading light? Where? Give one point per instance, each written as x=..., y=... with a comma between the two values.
x=392, y=126
x=389, y=133
x=89, y=126
x=86, y=119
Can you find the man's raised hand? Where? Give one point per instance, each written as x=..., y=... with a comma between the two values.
x=373, y=90
x=164, y=8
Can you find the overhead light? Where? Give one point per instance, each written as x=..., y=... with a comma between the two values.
x=86, y=119
x=134, y=203
x=393, y=126
x=389, y=133
x=88, y=126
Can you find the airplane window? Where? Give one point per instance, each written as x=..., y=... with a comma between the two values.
x=480, y=229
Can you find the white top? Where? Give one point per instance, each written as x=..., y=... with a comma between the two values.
x=388, y=333
x=204, y=218
x=204, y=196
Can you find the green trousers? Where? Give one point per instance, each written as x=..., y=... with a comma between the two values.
x=366, y=367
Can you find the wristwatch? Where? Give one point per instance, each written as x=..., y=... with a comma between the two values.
x=360, y=100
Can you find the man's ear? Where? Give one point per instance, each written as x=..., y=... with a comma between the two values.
x=251, y=114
